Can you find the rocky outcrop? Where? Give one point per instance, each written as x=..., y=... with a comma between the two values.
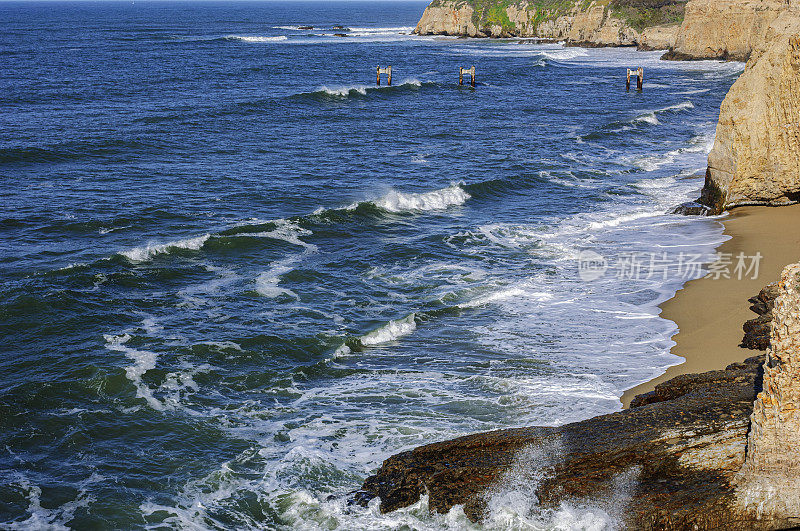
x=716, y=450
x=756, y=155
x=678, y=449
x=757, y=331
x=659, y=37
x=770, y=479
x=724, y=29
x=593, y=23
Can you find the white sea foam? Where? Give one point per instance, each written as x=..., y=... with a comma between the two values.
x=564, y=54
x=442, y=199
x=686, y=105
x=343, y=91
x=286, y=230
x=106, y=230
x=374, y=32
x=143, y=361
x=506, y=294
x=513, y=503
x=141, y=254
x=224, y=345
x=389, y=29
x=652, y=116
x=52, y=519
x=619, y=219
x=257, y=38
x=648, y=118
x=267, y=282
x=346, y=91
x=391, y=331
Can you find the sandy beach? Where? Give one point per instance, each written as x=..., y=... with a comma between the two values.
x=710, y=312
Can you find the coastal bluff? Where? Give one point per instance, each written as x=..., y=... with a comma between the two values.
x=756, y=155
x=701, y=451
x=651, y=24
x=697, y=29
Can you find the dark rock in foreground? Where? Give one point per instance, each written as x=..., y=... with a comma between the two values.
x=692, y=208
x=678, y=449
x=757, y=331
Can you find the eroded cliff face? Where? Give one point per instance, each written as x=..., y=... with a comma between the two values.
x=724, y=29
x=591, y=23
x=770, y=479
x=756, y=154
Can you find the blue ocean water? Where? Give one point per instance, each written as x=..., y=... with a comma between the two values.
x=236, y=275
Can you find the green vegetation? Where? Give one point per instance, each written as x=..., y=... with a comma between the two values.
x=496, y=15
x=639, y=14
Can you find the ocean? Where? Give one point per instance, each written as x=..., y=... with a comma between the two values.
x=237, y=275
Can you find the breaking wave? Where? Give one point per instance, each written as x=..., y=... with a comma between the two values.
x=352, y=91
x=255, y=38
x=141, y=254
x=652, y=116
x=391, y=331
x=395, y=201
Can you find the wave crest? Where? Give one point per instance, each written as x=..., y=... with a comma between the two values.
x=350, y=91
x=255, y=38
x=395, y=201
x=391, y=331
x=144, y=253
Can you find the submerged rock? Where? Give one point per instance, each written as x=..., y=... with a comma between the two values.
x=691, y=208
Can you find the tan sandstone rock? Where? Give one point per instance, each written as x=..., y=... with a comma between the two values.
x=447, y=19
x=659, y=37
x=770, y=479
x=727, y=29
x=591, y=24
x=756, y=154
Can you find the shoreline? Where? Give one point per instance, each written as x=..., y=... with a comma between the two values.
x=710, y=312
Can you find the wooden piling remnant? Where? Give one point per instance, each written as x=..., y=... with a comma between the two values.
x=639, y=73
x=388, y=72
x=470, y=71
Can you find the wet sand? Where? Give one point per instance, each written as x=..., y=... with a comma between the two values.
x=710, y=312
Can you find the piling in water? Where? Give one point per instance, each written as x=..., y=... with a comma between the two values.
x=639, y=73
x=388, y=72
x=470, y=71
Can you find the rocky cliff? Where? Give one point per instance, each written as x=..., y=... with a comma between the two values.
x=677, y=459
x=770, y=480
x=756, y=155
x=724, y=29
x=650, y=24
